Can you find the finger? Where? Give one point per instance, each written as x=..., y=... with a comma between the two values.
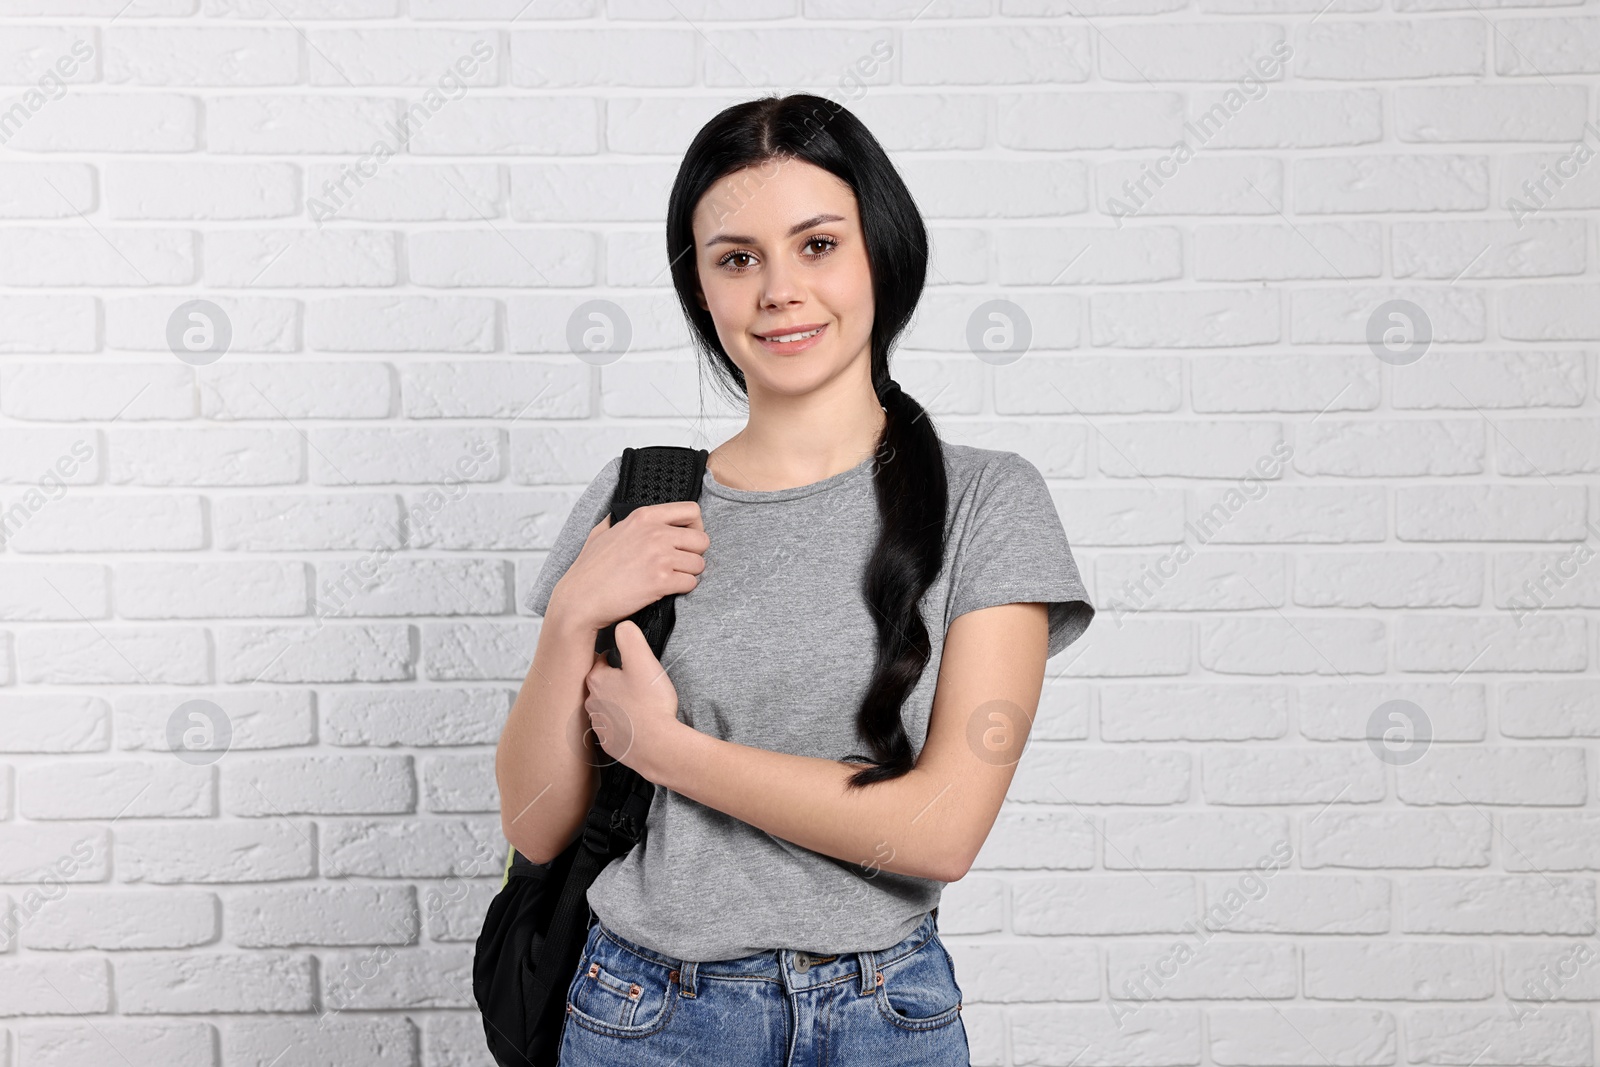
x=632, y=643
x=676, y=513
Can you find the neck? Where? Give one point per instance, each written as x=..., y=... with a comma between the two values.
x=798, y=440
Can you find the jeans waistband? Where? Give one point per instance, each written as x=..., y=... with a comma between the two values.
x=794, y=969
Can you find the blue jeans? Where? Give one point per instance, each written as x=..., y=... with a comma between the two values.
x=630, y=1005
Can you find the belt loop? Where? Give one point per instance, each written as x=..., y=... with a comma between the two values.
x=869, y=971
x=687, y=970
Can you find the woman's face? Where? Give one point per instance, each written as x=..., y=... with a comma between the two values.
x=780, y=251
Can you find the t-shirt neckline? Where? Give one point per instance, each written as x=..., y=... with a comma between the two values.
x=716, y=488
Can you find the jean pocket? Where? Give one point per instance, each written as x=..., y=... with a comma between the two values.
x=919, y=991
x=620, y=993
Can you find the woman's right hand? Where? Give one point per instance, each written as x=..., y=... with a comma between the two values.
x=658, y=549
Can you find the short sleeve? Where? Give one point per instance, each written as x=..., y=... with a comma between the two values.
x=591, y=507
x=1013, y=549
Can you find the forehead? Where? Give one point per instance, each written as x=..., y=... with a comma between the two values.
x=766, y=199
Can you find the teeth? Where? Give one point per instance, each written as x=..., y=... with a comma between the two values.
x=795, y=336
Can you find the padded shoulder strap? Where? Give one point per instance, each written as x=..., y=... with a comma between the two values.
x=654, y=474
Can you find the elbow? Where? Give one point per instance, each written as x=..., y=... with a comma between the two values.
x=530, y=848
x=953, y=867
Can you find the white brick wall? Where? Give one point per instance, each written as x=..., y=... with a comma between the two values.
x=1205, y=209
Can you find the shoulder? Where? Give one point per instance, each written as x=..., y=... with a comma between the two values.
x=975, y=473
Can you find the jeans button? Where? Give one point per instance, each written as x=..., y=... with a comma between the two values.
x=802, y=962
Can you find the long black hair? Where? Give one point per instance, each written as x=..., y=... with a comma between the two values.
x=909, y=475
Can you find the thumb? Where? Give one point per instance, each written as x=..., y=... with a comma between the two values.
x=631, y=639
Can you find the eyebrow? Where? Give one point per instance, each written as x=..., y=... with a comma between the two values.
x=795, y=230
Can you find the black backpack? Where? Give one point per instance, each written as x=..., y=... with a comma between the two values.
x=536, y=925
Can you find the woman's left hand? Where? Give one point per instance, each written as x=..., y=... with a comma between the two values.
x=633, y=708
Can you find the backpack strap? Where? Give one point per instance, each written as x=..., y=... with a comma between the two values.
x=655, y=474
x=652, y=475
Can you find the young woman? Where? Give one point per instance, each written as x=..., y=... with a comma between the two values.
x=860, y=644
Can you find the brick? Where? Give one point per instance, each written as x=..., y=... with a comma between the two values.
x=1381, y=50
x=422, y=58
x=204, y=456
x=1557, y=708
x=336, y=652
x=991, y=55
x=318, y=390
x=1479, y=113
x=1384, y=183
x=1524, y=775
x=1547, y=46
x=257, y=324
x=448, y=259
x=217, y=852
x=113, y=655
x=1414, y=579
x=1498, y=1036
x=1399, y=970
x=1299, y=904
x=1089, y=120
x=403, y=192
x=92, y=121
x=1301, y=1036
x=1454, y=250
x=522, y=124
x=594, y=58
x=1273, y=252
x=255, y=719
x=1179, y=712
x=45, y=191
x=1293, y=776
x=384, y=717
x=293, y=916
x=401, y=324
x=111, y=789
x=272, y=786
x=55, y=723
x=118, y=919
x=457, y=389
x=106, y=256
x=172, y=1042
x=1398, y=839
x=297, y=258
x=192, y=55
x=1497, y=904
x=161, y=983
x=45, y=986
x=1213, y=318
x=207, y=590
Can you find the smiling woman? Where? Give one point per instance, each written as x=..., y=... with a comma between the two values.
x=859, y=646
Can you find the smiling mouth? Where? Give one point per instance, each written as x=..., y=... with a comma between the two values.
x=785, y=338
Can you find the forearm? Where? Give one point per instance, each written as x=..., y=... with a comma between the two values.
x=545, y=784
x=904, y=825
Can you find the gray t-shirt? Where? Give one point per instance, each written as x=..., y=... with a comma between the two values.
x=773, y=649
